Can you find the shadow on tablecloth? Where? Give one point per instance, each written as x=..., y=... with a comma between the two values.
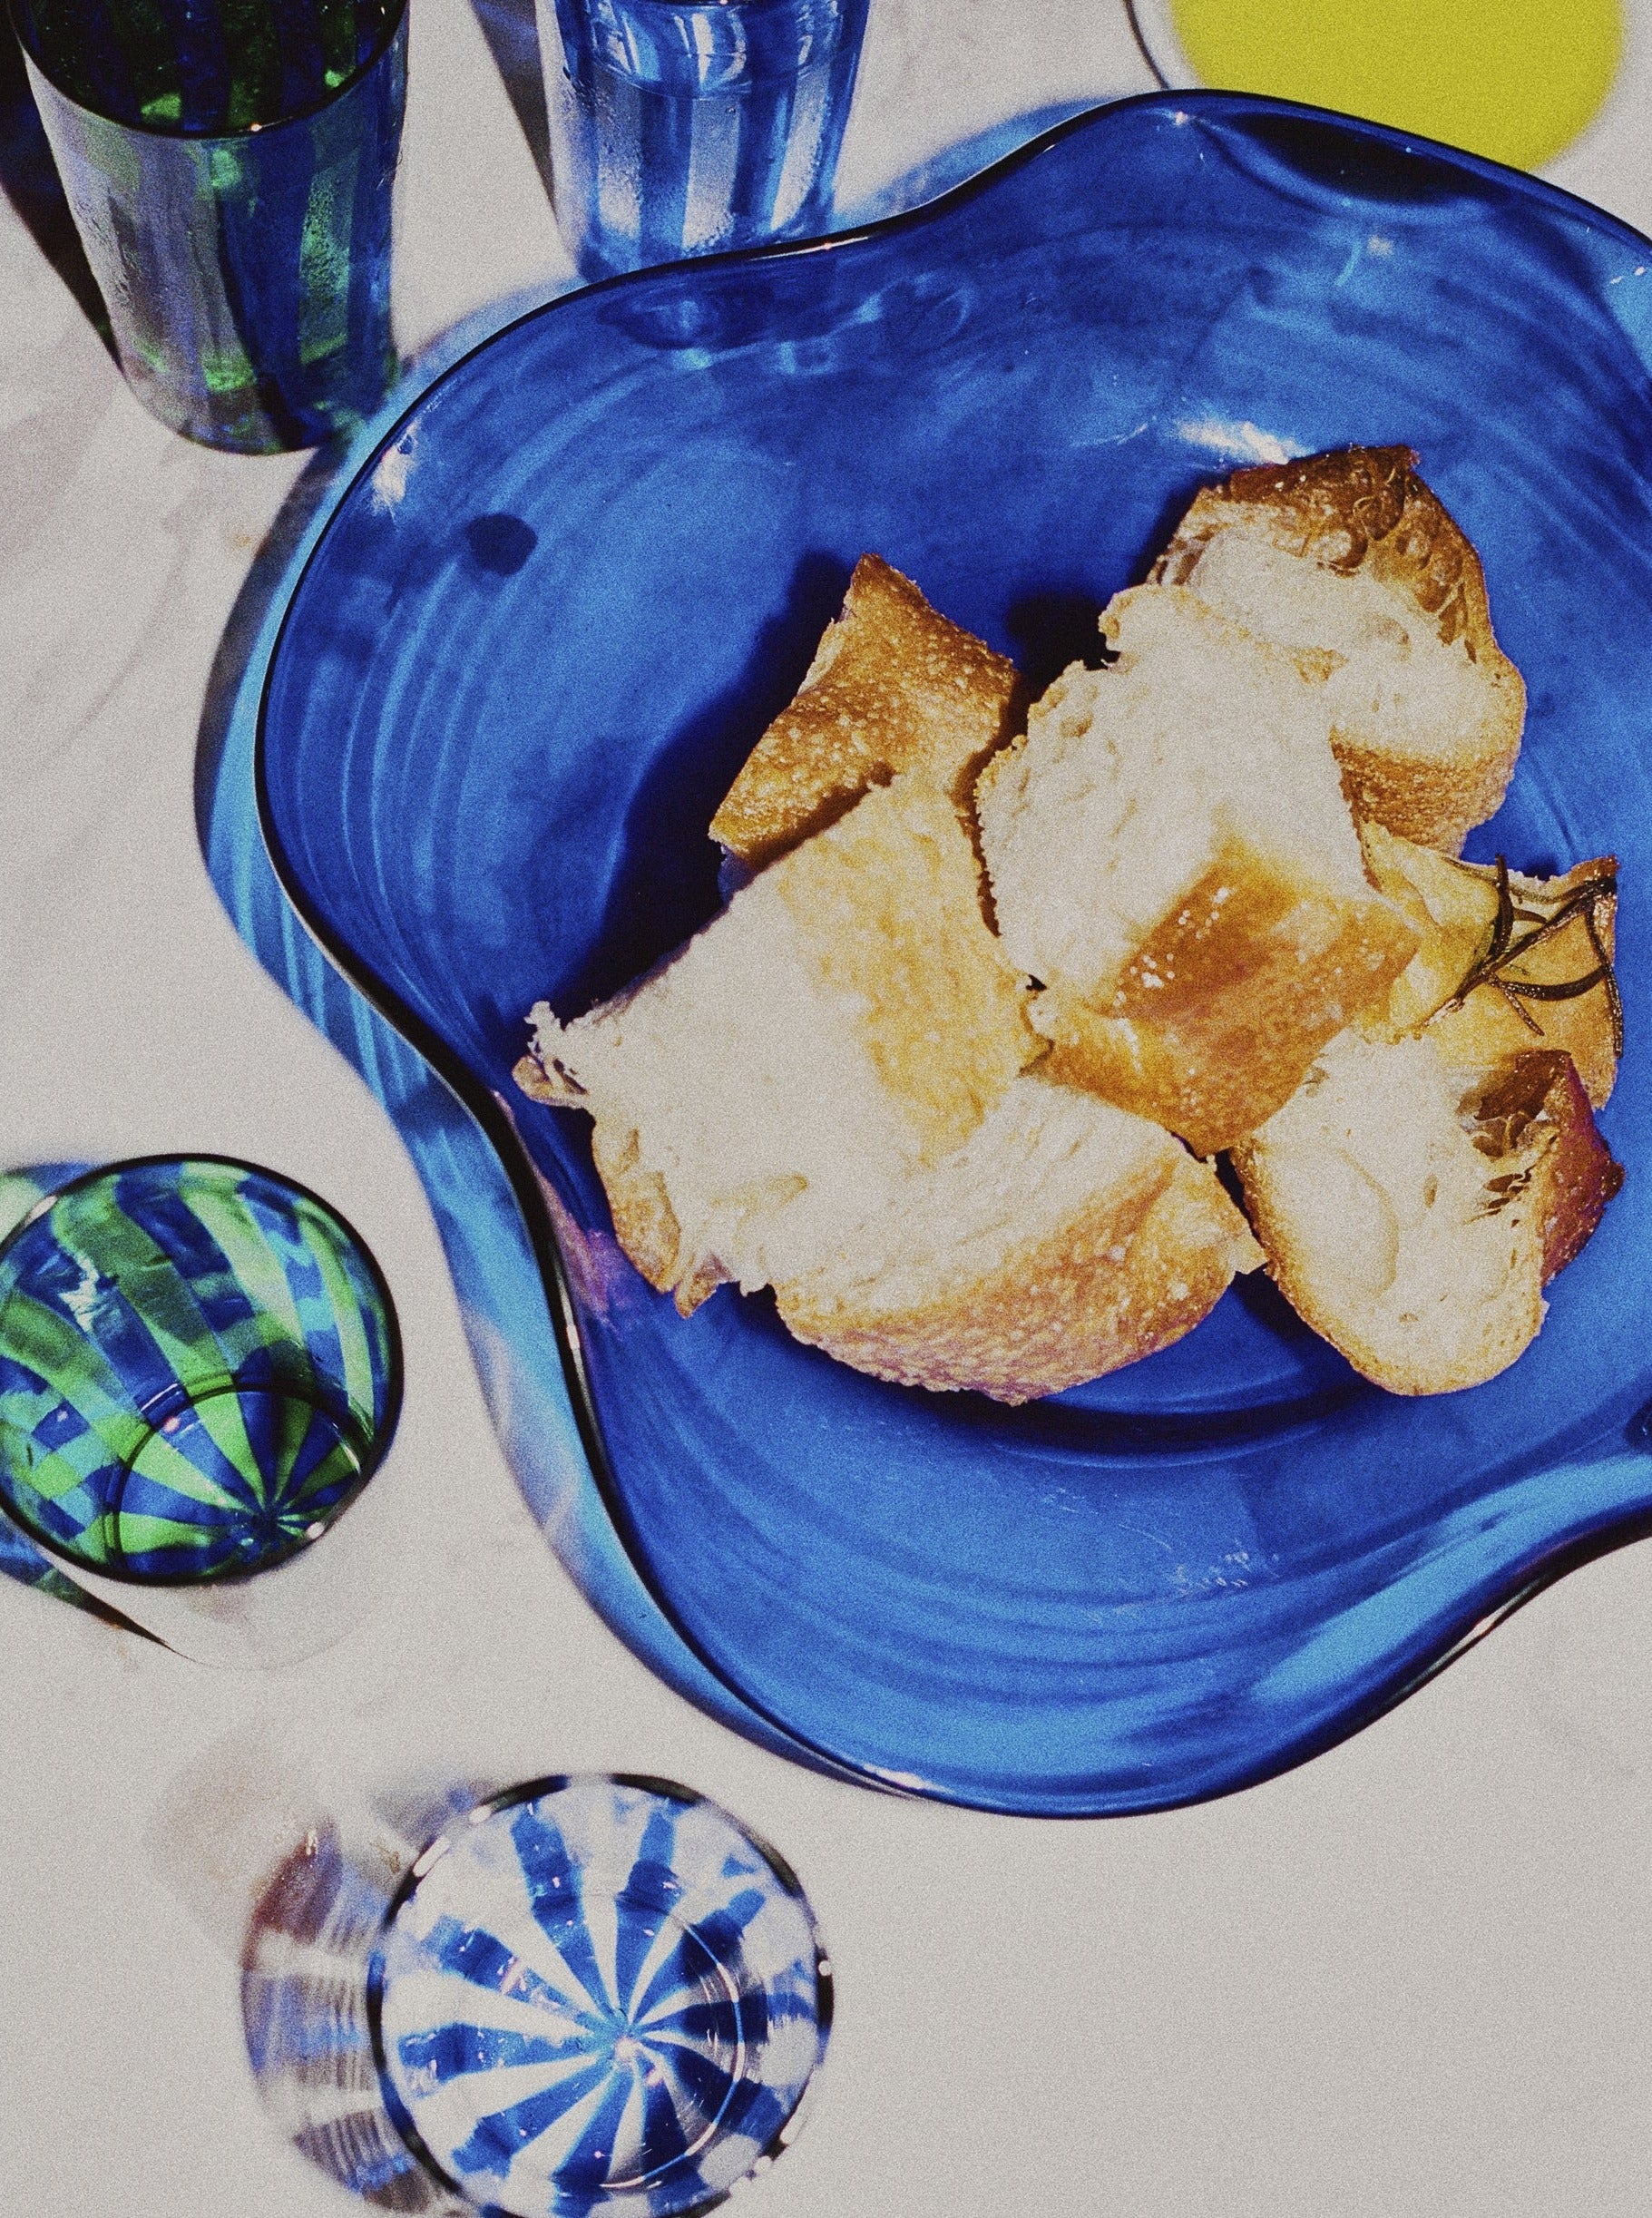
x=304, y=1993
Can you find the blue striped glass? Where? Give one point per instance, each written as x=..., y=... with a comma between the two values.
x=598, y=1996
x=198, y=1370
x=229, y=164
x=682, y=128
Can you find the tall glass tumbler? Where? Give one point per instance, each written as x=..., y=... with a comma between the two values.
x=683, y=127
x=199, y=1373
x=229, y=164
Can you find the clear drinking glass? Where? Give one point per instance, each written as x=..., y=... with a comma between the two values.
x=229, y=166
x=199, y=1372
x=682, y=127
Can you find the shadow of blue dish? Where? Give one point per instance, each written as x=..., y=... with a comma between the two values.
x=558, y=602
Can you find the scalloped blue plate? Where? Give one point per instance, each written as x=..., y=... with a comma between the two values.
x=537, y=638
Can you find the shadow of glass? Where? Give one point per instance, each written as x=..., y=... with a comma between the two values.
x=304, y=1993
x=29, y=178
x=511, y=32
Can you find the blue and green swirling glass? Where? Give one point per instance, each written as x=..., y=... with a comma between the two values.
x=229, y=164
x=199, y=1369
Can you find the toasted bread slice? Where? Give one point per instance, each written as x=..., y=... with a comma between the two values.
x=894, y=687
x=1172, y=858
x=1064, y=1239
x=1412, y=1213
x=848, y=1019
x=1349, y=559
x=1504, y=962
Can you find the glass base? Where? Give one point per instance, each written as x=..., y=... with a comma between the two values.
x=232, y=1483
x=252, y=418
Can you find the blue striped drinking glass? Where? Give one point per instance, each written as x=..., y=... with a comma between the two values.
x=683, y=127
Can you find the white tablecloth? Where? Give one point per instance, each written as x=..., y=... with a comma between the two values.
x=1414, y=1976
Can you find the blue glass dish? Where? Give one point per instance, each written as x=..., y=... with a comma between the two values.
x=538, y=636
x=598, y=1997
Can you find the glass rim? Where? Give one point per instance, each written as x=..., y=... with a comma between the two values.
x=179, y=135
x=376, y=1443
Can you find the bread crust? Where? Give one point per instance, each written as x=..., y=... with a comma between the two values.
x=645, y=1223
x=1366, y=509
x=1220, y=1013
x=1547, y=1168
x=1130, y=1271
x=1453, y=906
x=1574, y=1176
x=894, y=687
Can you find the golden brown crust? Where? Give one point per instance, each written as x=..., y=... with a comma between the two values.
x=1352, y=508
x=530, y=1074
x=1220, y=1013
x=645, y=1224
x=1452, y=906
x=1540, y=1091
x=1437, y=803
x=1366, y=509
x=1138, y=1268
x=1531, y=1119
x=891, y=904
x=895, y=687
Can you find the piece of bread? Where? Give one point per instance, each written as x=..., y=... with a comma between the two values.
x=894, y=687
x=1504, y=962
x=1172, y=859
x=1350, y=559
x=847, y=1019
x=823, y=1092
x=1411, y=1212
x=1062, y=1240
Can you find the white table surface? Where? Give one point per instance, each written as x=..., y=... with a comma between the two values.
x=1414, y=1976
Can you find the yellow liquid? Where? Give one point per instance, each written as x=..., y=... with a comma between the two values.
x=1516, y=80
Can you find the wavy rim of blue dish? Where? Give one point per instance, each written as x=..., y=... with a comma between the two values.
x=535, y=1790
x=377, y=1448
x=493, y=1116
x=143, y=129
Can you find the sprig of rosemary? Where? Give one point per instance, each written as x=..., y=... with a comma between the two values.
x=1584, y=900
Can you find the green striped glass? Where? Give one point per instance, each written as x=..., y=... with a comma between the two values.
x=200, y=1371
x=229, y=164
